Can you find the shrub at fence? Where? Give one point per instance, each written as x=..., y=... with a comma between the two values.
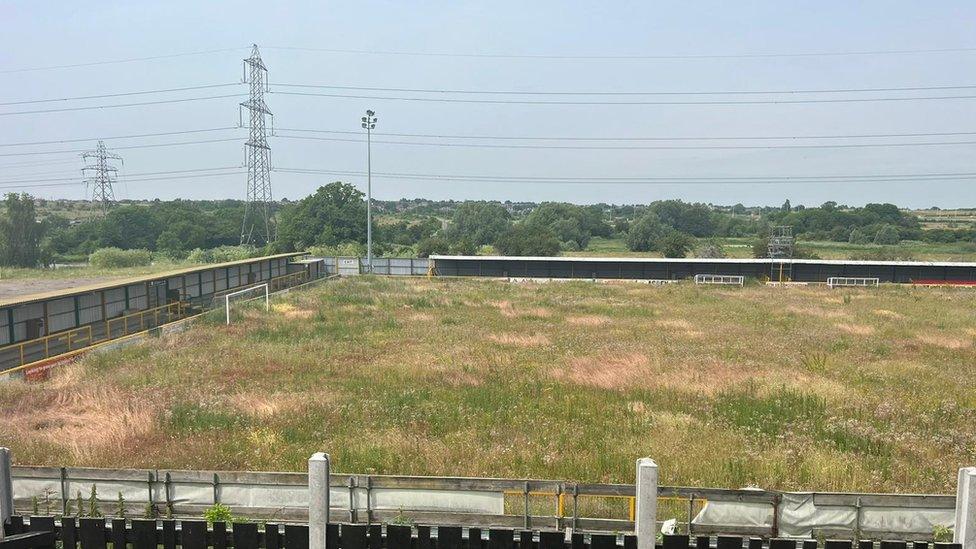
x=106, y=258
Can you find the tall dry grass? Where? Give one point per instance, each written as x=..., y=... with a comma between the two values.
x=790, y=388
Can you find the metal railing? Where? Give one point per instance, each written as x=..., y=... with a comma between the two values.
x=357, y=499
x=72, y=337
x=855, y=281
x=171, y=310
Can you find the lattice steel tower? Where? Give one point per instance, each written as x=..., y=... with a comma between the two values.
x=99, y=177
x=258, y=210
x=780, y=246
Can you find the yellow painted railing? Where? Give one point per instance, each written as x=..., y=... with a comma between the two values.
x=75, y=338
x=171, y=311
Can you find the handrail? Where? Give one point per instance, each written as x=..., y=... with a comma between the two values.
x=179, y=306
x=56, y=336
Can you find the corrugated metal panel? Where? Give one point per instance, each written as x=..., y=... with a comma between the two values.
x=4, y=328
x=192, y=285
x=90, y=308
x=60, y=314
x=208, y=283
x=221, y=280
x=114, y=302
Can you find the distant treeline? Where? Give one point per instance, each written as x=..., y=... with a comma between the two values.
x=332, y=221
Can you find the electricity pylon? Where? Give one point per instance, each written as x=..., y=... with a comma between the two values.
x=99, y=177
x=258, y=209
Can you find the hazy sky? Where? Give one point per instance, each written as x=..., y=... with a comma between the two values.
x=42, y=34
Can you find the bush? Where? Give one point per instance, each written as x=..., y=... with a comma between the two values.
x=888, y=234
x=223, y=254
x=676, y=244
x=528, y=240
x=218, y=512
x=434, y=245
x=710, y=250
x=107, y=258
x=644, y=234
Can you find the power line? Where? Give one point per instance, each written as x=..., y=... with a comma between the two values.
x=114, y=61
x=197, y=171
x=626, y=57
x=151, y=146
x=627, y=103
x=728, y=92
x=131, y=136
x=655, y=138
x=637, y=147
x=117, y=105
x=868, y=178
x=120, y=94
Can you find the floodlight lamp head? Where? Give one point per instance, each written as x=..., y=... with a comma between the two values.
x=364, y=124
x=370, y=113
x=364, y=119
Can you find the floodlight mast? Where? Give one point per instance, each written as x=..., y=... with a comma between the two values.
x=368, y=124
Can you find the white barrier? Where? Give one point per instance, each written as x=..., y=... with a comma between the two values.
x=6, y=489
x=852, y=281
x=645, y=510
x=729, y=280
x=965, y=527
x=318, y=500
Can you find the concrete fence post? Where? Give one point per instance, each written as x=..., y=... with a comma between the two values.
x=6, y=489
x=964, y=532
x=645, y=515
x=318, y=500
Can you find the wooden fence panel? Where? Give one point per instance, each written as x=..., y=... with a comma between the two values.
x=630, y=542
x=551, y=540
x=894, y=545
x=245, y=535
x=296, y=536
x=118, y=534
x=701, y=542
x=576, y=541
x=603, y=541
x=143, y=534
x=375, y=536
x=838, y=544
x=423, y=538
x=353, y=536
x=219, y=540
x=271, y=540
x=474, y=539
x=42, y=524
x=69, y=533
x=331, y=536
x=782, y=543
x=755, y=543
x=449, y=537
x=676, y=541
x=398, y=537
x=729, y=542
x=501, y=539
x=809, y=544
x=169, y=534
x=91, y=533
x=194, y=534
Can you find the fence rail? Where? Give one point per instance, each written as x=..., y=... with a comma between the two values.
x=43, y=532
x=473, y=502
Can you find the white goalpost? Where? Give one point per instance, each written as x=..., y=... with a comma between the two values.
x=267, y=298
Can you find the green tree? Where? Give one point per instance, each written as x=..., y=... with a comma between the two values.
x=20, y=232
x=527, y=240
x=888, y=234
x=676, y=244
x=479, y=222
x=644, y=234
x=859, y=237
x=434, y=245
x=334, y=215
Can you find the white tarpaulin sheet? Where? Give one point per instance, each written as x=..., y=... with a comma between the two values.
x=800, y=516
